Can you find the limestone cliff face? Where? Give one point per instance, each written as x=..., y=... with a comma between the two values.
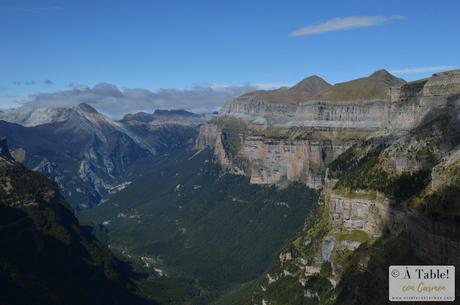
x=313, y=113
x=391, y=199
x=270, y=159
x=388, y=166
x=258, y=110
x=357, y=104
x=275, y=161
x=273, y=107
x=418, y=101
x=364, y=115
x=280, y=136
x=211, y=136
x=293, y=133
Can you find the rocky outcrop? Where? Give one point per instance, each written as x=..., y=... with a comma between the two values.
x=283, y=160
x=422, y=100
x=358, y=213
x=211, y=136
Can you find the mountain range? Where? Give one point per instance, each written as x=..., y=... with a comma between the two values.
x=84, y=151
x=301, y=195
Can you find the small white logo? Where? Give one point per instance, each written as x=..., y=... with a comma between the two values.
x=421, y=283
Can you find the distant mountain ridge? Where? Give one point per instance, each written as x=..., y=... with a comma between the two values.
x=169, y=117
x=175, y=112
x=302, y=103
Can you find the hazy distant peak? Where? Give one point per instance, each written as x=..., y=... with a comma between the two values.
x=33, y=116
x=175, y=112
x=141, y=116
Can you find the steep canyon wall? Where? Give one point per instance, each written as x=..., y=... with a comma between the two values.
x=287, y=141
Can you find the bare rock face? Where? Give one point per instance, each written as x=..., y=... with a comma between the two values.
x=274, y=106
x=289, y=134
x=358, y=214
x=258, y=109
x=327, y=247
x=403, y=179
x=356, y=104
x=366, y=115
x=419, y=101
x=273, y=161
x=211, y=136
x=325, y=121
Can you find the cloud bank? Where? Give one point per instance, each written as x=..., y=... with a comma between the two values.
x=19, y=83
x=115, y=102
x=342, y=24
x=422, y=69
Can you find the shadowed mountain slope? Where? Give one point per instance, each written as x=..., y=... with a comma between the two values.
x=47, y=257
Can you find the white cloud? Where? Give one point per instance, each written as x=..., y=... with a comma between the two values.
x=14, y=101
x=268, y=86
x=422, y=69
x=116, y=102
x=341, y=24
x=256, y=86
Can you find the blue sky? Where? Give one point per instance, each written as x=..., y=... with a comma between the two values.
x=48, y=45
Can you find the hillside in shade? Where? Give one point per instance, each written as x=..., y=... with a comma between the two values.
x=47, y=257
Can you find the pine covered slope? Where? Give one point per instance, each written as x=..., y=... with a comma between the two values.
x=47, y=257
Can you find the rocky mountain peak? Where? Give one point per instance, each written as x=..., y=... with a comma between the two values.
x=374, y=86
x=302, y=91
x=381, y=73
x=312, y=85
x=384, y=75
x=87, y=108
